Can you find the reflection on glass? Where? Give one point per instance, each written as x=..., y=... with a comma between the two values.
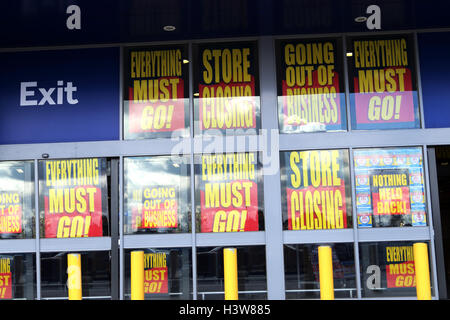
x=389, y=187
x=383, y=85
x=17, y=276
x=95, y=273
x=17, y=200
x=301, y=263
x=387, y=269
x=226, y=89
x=157, y=194
x=316, y=190
x=228, y=192
x=156, y=92
x=167, y=274
x=310, y=80
x=73, y=198
x=251, y=264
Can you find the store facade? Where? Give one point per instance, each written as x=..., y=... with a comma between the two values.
x=250, y=128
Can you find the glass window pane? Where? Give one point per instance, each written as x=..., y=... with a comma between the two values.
x=226, y=88
x=156, y=92
x=301, y=264
x=229, y=195
x=17, y=276
x=95, y=275
x=387, y=269
x=310, y=81
x=251, y=264
x=383, y=83
x=157, y=194
x=389, y=187
x=17, y=200
x=316, y=190
x=167, y=273
x=73, y=198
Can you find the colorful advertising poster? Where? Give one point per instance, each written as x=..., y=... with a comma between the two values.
x=317, y=190
x=311, y=93
x=156, y=98
x=382, y=80
x=228, y=189
x=389, y=187
x=156, y=272
x=226, y=88
x=11, y=211
x=6, y=276
x=388, y=269
x=157, y=196
x=74, y=196
x=400, y=271
x=156, y=208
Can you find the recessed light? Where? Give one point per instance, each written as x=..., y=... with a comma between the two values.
x=360, y=19
x=169, y=28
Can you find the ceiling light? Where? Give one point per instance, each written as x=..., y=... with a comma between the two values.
x=349, y=54
x=196, y=94
x=169, y=28
x=360, y=19
x=185, y=61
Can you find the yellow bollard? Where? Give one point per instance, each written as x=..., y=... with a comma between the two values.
x=326, y=273
x=74, y=276
x=230, y=273
x=137, y=275
x=423, y=288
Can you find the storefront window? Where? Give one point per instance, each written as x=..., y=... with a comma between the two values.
x=315, y=190
x=310, y=81
x=17, y=276
x=383, y=83
x=389, y=187
x=226, y=88
x=229, y=192
x=156, y=92
x=157, y=194
x=167, y=274
x=17, y=200
x=387, y=269
x=301, y=264
x=73, y=198
x=95, y=275
x=251, y=265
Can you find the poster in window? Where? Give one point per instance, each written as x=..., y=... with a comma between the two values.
x=156, y=194
x=228, y=192
x=6, y=277
x=388, y=269
x=389, y=187
x=11, y=211
x=317, y=190
x=382, y=79
x=156, y=98
x=226, y=88
x=156, y=272
x=311, y=92
x=73, y=197
x=155, y=207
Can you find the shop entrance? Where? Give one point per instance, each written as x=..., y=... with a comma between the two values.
x=439, y=163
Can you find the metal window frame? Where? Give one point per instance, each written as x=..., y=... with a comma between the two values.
x=273, y=236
